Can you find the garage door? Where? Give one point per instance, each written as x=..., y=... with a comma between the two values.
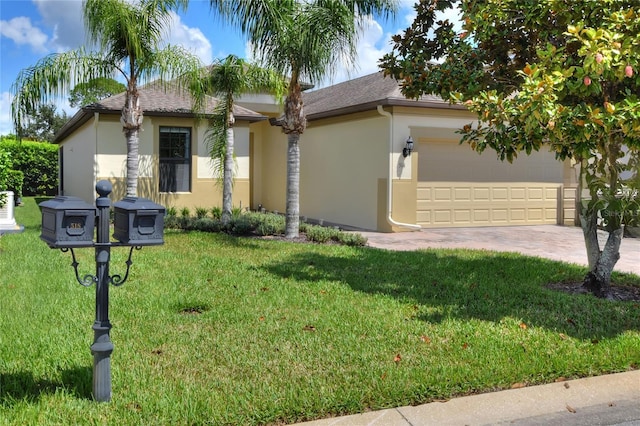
x=448, y=204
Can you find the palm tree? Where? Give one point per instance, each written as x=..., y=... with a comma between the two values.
x=305, y=40
x=224, y=80
x=128, y=36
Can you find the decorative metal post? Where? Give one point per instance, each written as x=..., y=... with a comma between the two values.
x=102, y=346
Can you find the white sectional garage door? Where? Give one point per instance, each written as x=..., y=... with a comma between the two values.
x=448, y=204
x=458, y=187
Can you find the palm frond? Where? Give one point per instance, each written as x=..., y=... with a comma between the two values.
x=53, y=77
x=215, y=139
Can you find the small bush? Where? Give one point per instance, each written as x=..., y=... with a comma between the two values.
x=269, y=224
x=236, y=211
x=216, y=212
x=242, y=225
x=172, y=211
x=201, y=212
x=185, y=212
x=351, y=239
x=321, y=234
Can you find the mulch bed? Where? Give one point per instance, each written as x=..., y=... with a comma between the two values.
x=618, y=292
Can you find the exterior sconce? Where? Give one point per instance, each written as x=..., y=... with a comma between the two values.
x=406, y=151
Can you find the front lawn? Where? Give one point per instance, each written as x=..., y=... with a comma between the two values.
x=214, y=329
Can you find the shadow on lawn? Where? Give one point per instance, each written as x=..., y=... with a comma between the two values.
x=465, y=284
x=23, y=386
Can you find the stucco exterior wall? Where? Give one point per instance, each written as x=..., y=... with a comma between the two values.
x=341, y=162
x=269, y=166
x=78, y=171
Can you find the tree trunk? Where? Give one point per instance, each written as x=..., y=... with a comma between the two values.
x=131, y=120
x=132, y=161
x=293, y=186
x=601, y=263
x=227, y=178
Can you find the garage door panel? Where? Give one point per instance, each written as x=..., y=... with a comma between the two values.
x=443, y=204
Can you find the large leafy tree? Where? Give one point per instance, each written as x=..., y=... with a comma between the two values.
x=304, y=40
x=127, y=35
x=86, y=93
x=555, y=73
x=42, y=124
x=225, y=80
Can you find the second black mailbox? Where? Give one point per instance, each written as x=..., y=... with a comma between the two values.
x=138, y=222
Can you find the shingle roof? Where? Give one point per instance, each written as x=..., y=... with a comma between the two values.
x=155, y=100
x=362, y=94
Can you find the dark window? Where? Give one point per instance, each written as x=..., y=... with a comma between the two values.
x=175, y=159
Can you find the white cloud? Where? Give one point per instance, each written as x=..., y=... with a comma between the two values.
x=22, y=32
x=191, y=39
x=6, y=125
x=65, y=18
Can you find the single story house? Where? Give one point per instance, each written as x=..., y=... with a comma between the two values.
x=353, y=168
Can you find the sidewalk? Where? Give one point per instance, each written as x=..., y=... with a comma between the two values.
x=605, y=400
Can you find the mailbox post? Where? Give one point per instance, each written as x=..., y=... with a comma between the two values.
x=68, y=223
x=102, y=346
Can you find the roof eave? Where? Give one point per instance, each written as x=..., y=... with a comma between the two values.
x=368, y=106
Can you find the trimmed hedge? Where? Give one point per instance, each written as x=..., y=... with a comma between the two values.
x=38, y=162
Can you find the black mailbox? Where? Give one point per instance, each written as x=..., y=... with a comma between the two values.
x=67, y=222
x=138, y=222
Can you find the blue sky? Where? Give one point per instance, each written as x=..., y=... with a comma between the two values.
x=32, y=29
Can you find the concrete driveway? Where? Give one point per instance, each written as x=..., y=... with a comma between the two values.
x=565, y=243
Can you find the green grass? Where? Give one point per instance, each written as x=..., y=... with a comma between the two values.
x=215, y=329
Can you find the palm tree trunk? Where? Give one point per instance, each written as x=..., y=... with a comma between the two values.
x=293, y=186
x=131, y=120
x=227, y=178
x=132, y=161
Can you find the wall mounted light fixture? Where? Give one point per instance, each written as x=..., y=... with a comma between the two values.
x=406, y=151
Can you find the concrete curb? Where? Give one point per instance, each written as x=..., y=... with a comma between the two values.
x=609, y=399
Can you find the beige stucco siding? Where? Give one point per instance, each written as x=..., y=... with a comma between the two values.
x=78, y=171
x=269, y=149
x=448, y=160
x=341, y=162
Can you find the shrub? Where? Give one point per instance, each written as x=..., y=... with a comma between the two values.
x=206, y=225
x=351, y=239
x=216, y=212
x=201, y=212
x=15, y=181
x=185, y=212
x=321, y=234
x=242, y=225
x=269, y=224
x=236, y=211
x=38, y=162
x=172, y=211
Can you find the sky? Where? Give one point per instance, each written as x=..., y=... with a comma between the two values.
x=33, y=29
